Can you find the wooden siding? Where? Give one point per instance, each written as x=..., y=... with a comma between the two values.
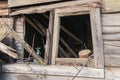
x=16, y=3
x=111, y=6
x=111, y=38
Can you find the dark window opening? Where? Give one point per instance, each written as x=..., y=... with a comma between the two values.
x=80, y=27
x=35, y=33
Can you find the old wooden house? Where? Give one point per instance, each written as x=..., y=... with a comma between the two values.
x=64, y=40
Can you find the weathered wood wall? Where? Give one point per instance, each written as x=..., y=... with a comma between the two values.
x=111, y=38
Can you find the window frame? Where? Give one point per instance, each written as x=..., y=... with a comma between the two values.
x=96, y=27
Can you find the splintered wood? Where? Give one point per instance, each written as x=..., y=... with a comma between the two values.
x=6, y=30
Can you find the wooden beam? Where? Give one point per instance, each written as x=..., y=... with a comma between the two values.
x=54, y=70
x=70, y=61
x=16, y=3
x=45, y=8
x=97, y=37
x=56, y=32
x=8, y=50
x=48, y=50
x=26, y=46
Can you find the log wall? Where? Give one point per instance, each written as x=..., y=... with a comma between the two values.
x=111, y=38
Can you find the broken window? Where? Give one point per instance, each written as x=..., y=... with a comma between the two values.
x=77, y=37
x=75, y=40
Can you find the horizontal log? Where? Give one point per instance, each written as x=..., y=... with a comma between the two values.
x=70, y=61
x=111, y=19
x=111, y=37
x=54, y=70
x=111, y=29
x=4, y=12
x=112, y=60
x=111, y=49
x=45, y=8
x=111, y=6
x=16, y=3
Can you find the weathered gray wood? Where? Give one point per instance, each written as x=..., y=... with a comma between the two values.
x=56, y=32
x=47, y=48
x=16, y=3
x=111, y=29
x=72, y=10
x=111, y=6
x=97, y=37
x=41, y=9
x=8, y=50
x=110, y=48
x=111, y=37
x=111, y=19
x=54, y=70
x=25, y=45
x=112, y=60
x=50, y=36
x=70, y=61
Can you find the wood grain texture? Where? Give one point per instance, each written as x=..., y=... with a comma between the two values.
x=111, y=6
x=111, y=19
x=97, y=37
x=54, y=70
x=111, y=29
x=45, y=8
x=56, y=32
x=16, y=3
x=112, y=60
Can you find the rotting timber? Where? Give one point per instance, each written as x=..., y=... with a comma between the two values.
x=72, y=37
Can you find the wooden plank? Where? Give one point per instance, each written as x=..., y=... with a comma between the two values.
x=111, y=6
x=97, y=37
x=70, y=61
x=72, y=10
x=8, y=50
x=111, y=49
x=111, y=29
x=56, y=32
x=112, y=60
x=45, y=8
x=25, y=45
x=16, y=3
x=111, y=19
x=49, y=37
x=54, y=70
x=111, y=37
x=4, y=12
x=111, y=73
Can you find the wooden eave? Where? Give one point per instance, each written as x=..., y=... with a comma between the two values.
x=45, y=8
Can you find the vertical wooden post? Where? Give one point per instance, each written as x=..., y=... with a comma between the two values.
x=97, y=37
x=19, y=28
x=56, y=32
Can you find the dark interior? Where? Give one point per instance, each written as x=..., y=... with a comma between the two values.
x=80, y=26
